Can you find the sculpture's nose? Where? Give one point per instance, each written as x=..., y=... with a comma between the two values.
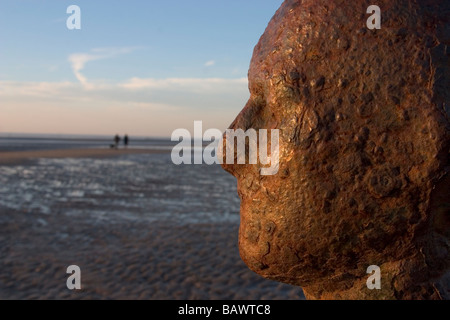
x=243, y=121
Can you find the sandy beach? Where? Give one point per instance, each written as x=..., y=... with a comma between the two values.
x=126, y=260
x=21, y=157
x=141, y=238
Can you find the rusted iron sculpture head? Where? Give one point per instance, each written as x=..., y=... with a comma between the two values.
x=364, y=142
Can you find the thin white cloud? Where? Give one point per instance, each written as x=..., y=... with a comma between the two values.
x=34, y=89
x=210, y=63
x=79, y=60
x=195, y=85
x=137, y=106
x=149, y=87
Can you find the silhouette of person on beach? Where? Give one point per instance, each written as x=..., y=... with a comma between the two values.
x=125, y=141
x=116, y=141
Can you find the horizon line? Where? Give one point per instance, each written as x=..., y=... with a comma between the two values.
x=75, y=135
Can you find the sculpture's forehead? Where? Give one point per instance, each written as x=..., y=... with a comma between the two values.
x=299, y=25
x=315, y=46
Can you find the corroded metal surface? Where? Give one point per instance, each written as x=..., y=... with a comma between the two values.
x=364, y=142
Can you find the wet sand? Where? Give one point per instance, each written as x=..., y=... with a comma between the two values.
x=21, y=157
x=126, y=259
x=121, y=256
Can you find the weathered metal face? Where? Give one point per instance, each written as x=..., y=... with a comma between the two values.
x=364, y=135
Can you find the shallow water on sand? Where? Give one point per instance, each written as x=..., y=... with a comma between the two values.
x=141, y=186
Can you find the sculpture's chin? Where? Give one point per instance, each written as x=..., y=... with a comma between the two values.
x=271, y=271
x=269, y=247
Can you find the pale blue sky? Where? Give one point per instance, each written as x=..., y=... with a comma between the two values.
x=145, y=67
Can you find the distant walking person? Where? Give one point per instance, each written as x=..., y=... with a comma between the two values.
x=116, y=141
x=125, y=141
